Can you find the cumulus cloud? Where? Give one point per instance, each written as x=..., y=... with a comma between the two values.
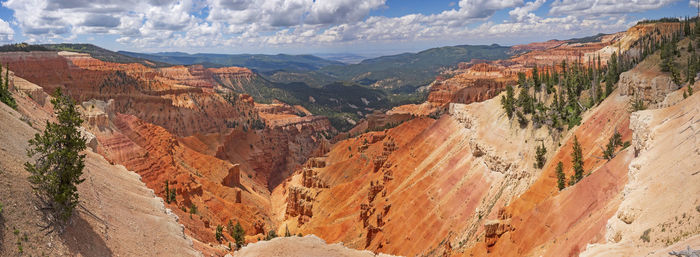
x=603, y=7
x=128, y=18
x=268, y=23
x=329, y=12
x=6, y=32
x=524, y=12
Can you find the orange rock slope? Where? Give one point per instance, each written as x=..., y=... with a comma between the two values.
x=465, y=185
x=217, y=152
x=444, y=182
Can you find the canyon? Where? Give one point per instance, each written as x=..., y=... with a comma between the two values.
x=178, y=151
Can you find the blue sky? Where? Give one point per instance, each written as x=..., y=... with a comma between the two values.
x=367, y=27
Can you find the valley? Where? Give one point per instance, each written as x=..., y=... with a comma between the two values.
x=580, y=147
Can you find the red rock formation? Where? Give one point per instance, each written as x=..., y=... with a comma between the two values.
x=477, y=83
x=233, y=178
x=299, y=204
x=279, y=149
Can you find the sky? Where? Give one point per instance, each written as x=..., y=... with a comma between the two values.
x=364, y=27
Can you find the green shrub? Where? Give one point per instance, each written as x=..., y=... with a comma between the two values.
x=219, y=234
x=270, y=235
x=193, y=208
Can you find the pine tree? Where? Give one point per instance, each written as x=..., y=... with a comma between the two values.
x=167, y=192
x=690, y=47
x=577, y=161
x=286, y=232
x=540, y=151
x=690, y=90
x=219, y=234
x=614, y=141
x=5, y=95
x=522, y=80
x=536, y=78
x=507, y=101
x=58, y=164
x=237, y=233
x=561, y=177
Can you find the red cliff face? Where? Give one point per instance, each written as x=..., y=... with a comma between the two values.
x=477, y=83
x=279, y=149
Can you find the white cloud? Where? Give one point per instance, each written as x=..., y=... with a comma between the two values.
x=52, y=19
x=603, y=7
x=693, y=3
x=164, y=24
x=329, y=12
x=523, y=12
x=6, y=32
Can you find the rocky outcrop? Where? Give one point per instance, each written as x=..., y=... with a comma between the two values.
x=366, y=210
x=389, y=146
x=233, y=178
x=299, y=204
x=276, y=151
x=310, y=179
x=316, y=162
x=494, y=229
x=476, y=83
x=374, y=189
x=658, y=211
x=372, y=232
x=652, y=88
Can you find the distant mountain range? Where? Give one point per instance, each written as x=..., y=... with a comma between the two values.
x=259, y=62
x=393, y=72
x=343, y=57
